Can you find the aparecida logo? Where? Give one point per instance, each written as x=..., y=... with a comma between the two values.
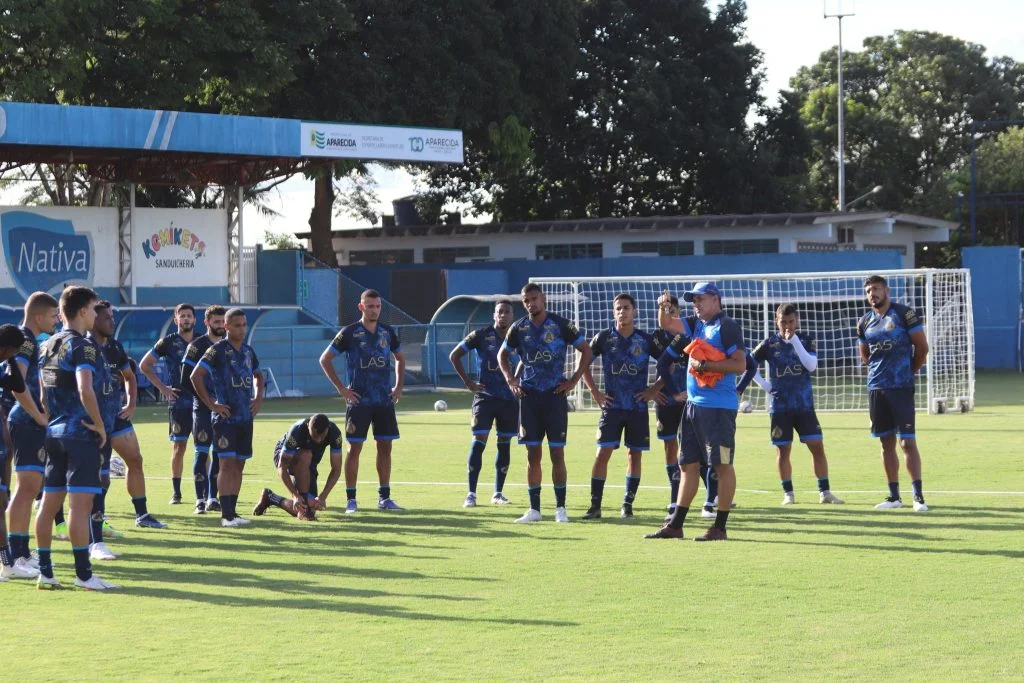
x=44, y=254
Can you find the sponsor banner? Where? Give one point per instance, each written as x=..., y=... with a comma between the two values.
x=352, y=141
x=180, y=248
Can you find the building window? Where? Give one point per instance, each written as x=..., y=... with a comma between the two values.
x=450, y=254
x=547, y=252
x=379, y=257
x=712, y=247
x=681, y=248
x=816, y=246
x=845, y=235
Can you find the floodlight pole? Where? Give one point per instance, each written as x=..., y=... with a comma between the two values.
x=840, y=147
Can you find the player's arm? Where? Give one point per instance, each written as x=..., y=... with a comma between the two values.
x=131, y=390
x=332, y=478
x=9, y=445
x=146, y=367
x=504, y=362
x=15, y=383
x=808, y=357
x=596, y=347
x=920, y=341
x=574, y=337
x=456, y=356
x=283, y=471
x=862, y=346
x=672, y=354
x=327, y=365
x=198, y=376
x=256, y=404
x=736, y=356
x=666, y=320
x=752, y=374
x=83, y=376
x=396, y=391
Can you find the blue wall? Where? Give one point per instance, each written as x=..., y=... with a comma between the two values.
x=278, y=277
x=996, y=294
x=147, y=296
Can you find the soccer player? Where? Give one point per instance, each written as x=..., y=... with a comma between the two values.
x=179, y=411
x=626, y=352
x=370, y=399
x=709, y=424
x=297, y=457
x=74, y=376
x=203, y=473
x=493, y=401
x=233, y=369
x=792, y=357
x=894, y=347
x=541, y=340
x=27, y=421
x=668, y=409
x=122, y=438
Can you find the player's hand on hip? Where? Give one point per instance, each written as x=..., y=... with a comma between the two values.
x=221, y=410
x=98, y=430
x=255, y=405
x=170, y=393
x=349, y=395
x=475, y=387
x=565, y=386
x=516, y=387
x=45, y=417
x=651, y=394
x=600, y=398
x=127, y=413
x=396, y=393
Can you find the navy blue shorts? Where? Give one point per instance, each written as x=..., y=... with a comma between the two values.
x=202, y=429
x=504, y=414
x=892, y=412
x=543, y=413
x=358, y=419
x=805, y=422
x=634, y=423
x=669, y=419
x=121, y=427
x=179, y=423
x=29, y=446
x=73, y=465
x=233, y=439
x=708, y=436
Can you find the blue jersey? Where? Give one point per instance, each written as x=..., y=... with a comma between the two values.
x=675, y=368
x=624, y=361
x=172, y=347
x=724, y=334
x=116, y=360
x=298, y=438
x=791, y=381
x=486, y=342
x=232, y=372
x=542, y=349
x=193, y=354
x=64, y=356
x=890, y=353
x=368, y=360
x=27, y=360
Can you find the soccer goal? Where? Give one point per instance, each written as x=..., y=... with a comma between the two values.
x=830, y=304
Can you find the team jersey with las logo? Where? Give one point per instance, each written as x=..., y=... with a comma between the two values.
x=64, y=355
x=624, y=362
x=232, y=373
x=661, y=340
x=193, y=354
x=116, y=360
x=27, y=359
x=298, y=439
x=172, y=347
x=791, y=382
x=368, y=360
x=890, y=353
x=542, y=349
x=486, y=342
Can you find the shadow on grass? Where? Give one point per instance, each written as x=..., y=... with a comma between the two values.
x=1011, y=554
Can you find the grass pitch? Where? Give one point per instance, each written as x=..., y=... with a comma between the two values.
x=806, y=592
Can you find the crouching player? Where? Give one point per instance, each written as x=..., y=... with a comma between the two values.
x=297, y=458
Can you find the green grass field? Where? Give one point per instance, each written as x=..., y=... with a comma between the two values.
x=804, y=593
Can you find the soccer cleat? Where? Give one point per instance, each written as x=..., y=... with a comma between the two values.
x=707, y=512
x=826, y=497
x=713, y=534
x=32, y=560
x=666, y=532
x=3, y=579
x=200, y=508
x=60, y=532
x=148, y=521
x=176, y=499
x=593, y=513
x=671, y=511
x=352, y=507
x=470, y=501
x=100, y=551
x=19, y=570
x=499, y=499
x=262, y=504
x=789, y=498
x=919, y=505
x=234, y=523
x=530, y=516
x=95, y=583
x=626, y=511
x=561, y=515
x=389, y=505
x=889, y=503
x=45, y=583
x=110, y=532
x=212, y=505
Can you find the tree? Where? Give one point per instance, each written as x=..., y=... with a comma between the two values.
x=280, y=240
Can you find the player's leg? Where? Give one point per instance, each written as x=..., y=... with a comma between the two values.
x=126, y=444
x=902, y=402
x=809, y=428
x=638, y=440
x=483, y=415
x=556, y=427
x=668, y=420
x=11, y=566
x=84, y=465
x=507, y=427
x=357, y=426
x=690, y=458
x=29, y=464
x=230, y=444
x=883, y=428
x=782, y=439
x=202, y=437
x=609, y=437
x=385, y=433
x=179, y=427
x=718, y=426
x=98, y=550
x=531, y=435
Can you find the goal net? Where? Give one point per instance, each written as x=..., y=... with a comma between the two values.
x=829, y=304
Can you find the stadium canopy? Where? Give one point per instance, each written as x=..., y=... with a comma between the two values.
x=140, y=146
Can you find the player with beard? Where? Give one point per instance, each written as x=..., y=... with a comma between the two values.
x=206, y=466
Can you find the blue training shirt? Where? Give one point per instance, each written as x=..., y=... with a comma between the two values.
x=232, y=372
x=542, y=349
x=173, y=347
x=368, y=360
x=791, y=381
x=193, y=354
x=674, y=369
x=73, y=354
x=890, y=353
x=298, y=438
x=487, y=342
x=27, y=359
x=624, y=362
x=116, y=360
x=724, y=334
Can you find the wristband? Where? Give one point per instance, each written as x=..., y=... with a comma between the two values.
x=702, y=366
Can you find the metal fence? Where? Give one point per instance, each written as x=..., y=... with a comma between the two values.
x=334, y=297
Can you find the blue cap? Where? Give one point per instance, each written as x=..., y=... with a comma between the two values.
x=702, y=288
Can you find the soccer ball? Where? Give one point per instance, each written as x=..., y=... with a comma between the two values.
x=571, y=402
x=440, y=406
x=117, y=466
x=746, y=407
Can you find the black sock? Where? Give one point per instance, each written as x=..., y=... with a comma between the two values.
x=227, y=507
x=384, y=491
x=823, y=485
x=596, y=491
x=673, y=481
x=559, y=495
x=275, y=499
x=176, y=483
x=350, y=493
x=19, y=545
x=678, y=517
x=894, y=489
x=475, y=463
x=45, y=562
x=6, y=555
x=712, y=484
x=501, y=463
x=918, y=489
x=140, y=506
x=721, y=517
x=96, y=519
x=199, y=474
x=59, y=517
x=534, y=492
x=83, y=568
x=787, y=486
x=214, y=471
x=632, y=485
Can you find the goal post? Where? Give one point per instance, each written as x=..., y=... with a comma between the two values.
x=829, y=305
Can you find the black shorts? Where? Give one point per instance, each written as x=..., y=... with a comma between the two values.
x=504, y=414
x=359, y=418
x=669, y=418
x=314, y=489
x=29, y=446
x=543, y=413
x=202, y=429
x=233, y=439
x=708, y=436
x=634, y=423
x=121, y=427
x=73, y=465
x=892, y=411
x=804, y=422
x=179, y=423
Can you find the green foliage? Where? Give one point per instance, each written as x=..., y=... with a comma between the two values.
x=280, y=240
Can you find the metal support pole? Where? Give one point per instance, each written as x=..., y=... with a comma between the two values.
x=974, y=184
x=840, y=152
x=125, y=233
x=929, y=321
x=233, y=208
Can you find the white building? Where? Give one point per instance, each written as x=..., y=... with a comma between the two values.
x=659, y=236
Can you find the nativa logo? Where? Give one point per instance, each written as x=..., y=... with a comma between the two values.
x=44, y=254
x=174, y=237
x=322, y=140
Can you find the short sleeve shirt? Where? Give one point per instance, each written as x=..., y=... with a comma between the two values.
x=543, y=348
x=624, y=361
x=76, y=354
x=116, y=360
x=232, y=372
x=487, y=343
x=193, y=354
x=724, y=334
x=662, y=339
x=298, y=439
x=368, y=360
x=27, y=360
x=172, y=349
x=791, y=382
x=890, y=352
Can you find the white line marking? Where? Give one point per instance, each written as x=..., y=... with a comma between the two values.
x=153, y=126
x=167, y=130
